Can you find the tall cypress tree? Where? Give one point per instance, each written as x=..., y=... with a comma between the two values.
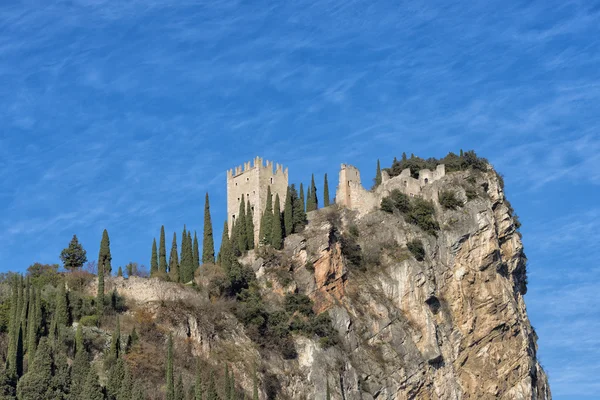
x=19, y=352
x=179, y=390
x=60, y=307
x=13, y=331
x=225, y=254
x=81, y=366
x=198, y=385
x=174, y=261
x=32, y=325
x=288, y=221
x=196, y=254
x=170, y=382
x=100, y=293
x=242, y=237
x=116, y=374
x=104, y=257
x=211, y=390
x=312, y=202
x=298, y=214
x=377, y=175
x=38, y=381
x=115, y=344
x=254, y=385
x=266, y=223
x=190, y=256
x=154, y=259
x=183, y=255
x=126, y=386
x=325, y=192
x=249, y=226
x=162, y=252
x=208, y=244
x=301, y=195
x=328, y=393
x=227, y=385
x=92, y=390
x=187, y=259
x=276, y=230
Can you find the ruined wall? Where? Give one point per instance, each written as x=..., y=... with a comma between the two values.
x=252, y=181
x=351, y=193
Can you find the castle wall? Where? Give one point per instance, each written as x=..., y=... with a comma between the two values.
x=351, y=193
x=252, y=180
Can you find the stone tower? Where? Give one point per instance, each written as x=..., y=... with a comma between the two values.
x=349, y=179
x=252, y=180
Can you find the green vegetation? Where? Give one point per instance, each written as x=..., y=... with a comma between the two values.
x=415, y=246
x=325, y=192
x=378, y=179
x=208, y=245
x=448, y=200
x=104, y=257
x=73, y=256
x=452, y=163
x=416, y=211
x=312, y=202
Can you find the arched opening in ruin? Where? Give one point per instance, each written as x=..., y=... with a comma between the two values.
x=271, y=181
x=426, y=180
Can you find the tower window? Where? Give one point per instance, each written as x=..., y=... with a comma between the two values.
x=426, y=180
x=271, y=180
x=247, y=179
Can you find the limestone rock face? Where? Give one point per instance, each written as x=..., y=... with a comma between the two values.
x=453, y=326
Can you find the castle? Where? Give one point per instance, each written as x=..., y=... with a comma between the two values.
x=252, y=180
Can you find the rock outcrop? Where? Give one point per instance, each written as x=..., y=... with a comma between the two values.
x=453, y=326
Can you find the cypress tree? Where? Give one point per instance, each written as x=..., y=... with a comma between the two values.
x=404, y=158
x=190, y=256
x=154, y=259
x=309, y=206
x=126, y=386
x=233, y=239
x=312, y=202
x=92, y=389
x=19, y=352
x=196, y=254
x=254, y=385
x=225, y=254
x=100, y=293
x=266, y=223
x=227, y=388
x=377, y=175
x=170, y=382
x=116, y=375
x=325, y=192
x=115, y=344
x=61, y=381
x=211, y=390
x=328, y=393
x=81, y=366
x=288, y=213
x=138, y=391
x=249, y=226
x=242, y=237
x=120, y=271
x=162, y=253
x=24, y=311
x=13, y=333
x=38, y=380
x=208, y=244
x=104, y=257
x=298, y=214
x=73, y=256
x=60, y=307
x=179, y=390
x=277, y=231
x=79, y=347
x=198, y=384
x=174, y=261
x=32, y=326
x=183, y=261
x=301, y=195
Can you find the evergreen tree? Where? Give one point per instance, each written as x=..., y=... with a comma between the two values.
x=298, y=214
x=162, y=253
x=19, y=352
x=174, y=261
x=277, y=230
x=100, y=293
x=266, y=223
x=187, y=258
x=170, y=382
x=301, y=195
x=104, y=257
x=242, y=237
x=328, y=393
x=325, y=192
x=288, y=213
x=73, y=256
x=249, y=226
x=32, y=325
x=79, y=347
x=227, y=385
x=61, y=381
x=37, y=382
x=79, y=372
x=312, y=203
x=179, y=389
x=138, y=391
x=211, y=390
x=115, y=344
x=154, y=259
x=308, y=200
x=190, y=256
x=13, y=331
x=60, y=307
x=198, y=384
x=404, y=158
x=91, y=389
x=225, y=254
x=120, y=272
x=116, y=375
x=126, y=386
x=196, y=254
x=24, y=310
x=254, y=385
x=377, y=175
x=208, y=244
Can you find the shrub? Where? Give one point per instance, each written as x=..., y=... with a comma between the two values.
x=422, y=214
x=353, y=230
x=471, y=193
x=89, y=320
x=448, y=200
x=298, y=302
x=387, y=205
x=415, y=246
x=352, y=252
x=400, y=200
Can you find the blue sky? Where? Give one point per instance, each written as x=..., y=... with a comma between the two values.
x=122, y=114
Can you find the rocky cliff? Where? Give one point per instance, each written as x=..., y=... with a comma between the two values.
x=452, y=326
